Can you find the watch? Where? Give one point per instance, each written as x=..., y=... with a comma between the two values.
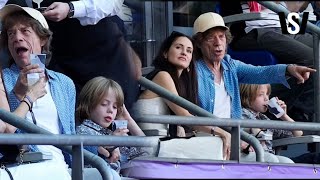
x=71, y=10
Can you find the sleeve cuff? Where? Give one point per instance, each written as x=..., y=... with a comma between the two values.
x=282, y=75
x=79, y=9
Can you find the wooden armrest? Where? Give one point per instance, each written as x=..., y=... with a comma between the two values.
x=296, y=140
x=244, y=17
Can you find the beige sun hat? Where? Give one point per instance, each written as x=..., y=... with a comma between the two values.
x=207, y=21
x=10, y=8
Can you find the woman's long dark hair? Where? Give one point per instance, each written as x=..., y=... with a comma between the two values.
x=186, y=84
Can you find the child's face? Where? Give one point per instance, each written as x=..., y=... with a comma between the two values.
x=261, y=101
x=105, y=112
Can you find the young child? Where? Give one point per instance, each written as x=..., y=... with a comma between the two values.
x=101, y=102
x=254, y=100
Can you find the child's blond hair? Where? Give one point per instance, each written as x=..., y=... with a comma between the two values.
x=248, y=93
x=93, y=92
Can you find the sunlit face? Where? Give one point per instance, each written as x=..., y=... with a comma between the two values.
x=180, y=53
x=261, y=101
x=106, y=110
x=214, y=45
x=23, y=40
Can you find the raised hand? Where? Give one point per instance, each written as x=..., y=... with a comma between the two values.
x=302, y=73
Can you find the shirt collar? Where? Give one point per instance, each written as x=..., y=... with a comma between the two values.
x=96, y=126
x=258, y=115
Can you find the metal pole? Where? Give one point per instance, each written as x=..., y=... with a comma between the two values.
x=209, y=121
x=235, y=141
x=77, y=162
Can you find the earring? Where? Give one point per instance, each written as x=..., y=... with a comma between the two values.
x=188, y=68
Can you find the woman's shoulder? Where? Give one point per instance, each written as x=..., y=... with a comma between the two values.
x=162, y=75
x=158, y=73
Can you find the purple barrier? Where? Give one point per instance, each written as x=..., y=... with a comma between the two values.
x=146, y=169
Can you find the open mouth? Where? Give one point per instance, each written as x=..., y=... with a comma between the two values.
x=21, y=50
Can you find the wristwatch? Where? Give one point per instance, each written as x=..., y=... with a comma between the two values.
x=71, y=10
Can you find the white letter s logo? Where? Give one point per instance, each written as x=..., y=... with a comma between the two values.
x=291, y=21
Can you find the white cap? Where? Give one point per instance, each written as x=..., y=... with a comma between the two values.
x=207, y=21
x=10, y=8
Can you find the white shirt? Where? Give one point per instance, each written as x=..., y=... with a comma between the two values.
x=46, y=115
x=90, y=12
x=222, y=108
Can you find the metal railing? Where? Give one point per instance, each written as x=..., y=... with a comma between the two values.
x=196, y=110
x=75, y=143
x=315, y=30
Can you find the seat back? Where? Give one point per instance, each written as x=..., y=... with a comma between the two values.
x=257, y=58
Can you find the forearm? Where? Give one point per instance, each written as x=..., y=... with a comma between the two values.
x=134, y=129
x=289, y=119
x=215, y=130
x=21, y=111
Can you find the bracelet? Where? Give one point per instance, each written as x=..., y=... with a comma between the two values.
x=29, y=99
x=26, y=103
x=212, y=131
x=30, y=108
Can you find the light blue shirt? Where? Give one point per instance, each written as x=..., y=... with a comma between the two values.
x=63, y=94
x=235, y=72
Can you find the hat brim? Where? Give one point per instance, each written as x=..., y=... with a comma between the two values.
x=10, y=8
x=222, y=27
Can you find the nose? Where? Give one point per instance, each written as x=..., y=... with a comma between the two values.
x=217, y=41
x=16, y=36
x=110, y=109
x=184, y=52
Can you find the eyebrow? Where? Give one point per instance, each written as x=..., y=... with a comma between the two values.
x=183, y=45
